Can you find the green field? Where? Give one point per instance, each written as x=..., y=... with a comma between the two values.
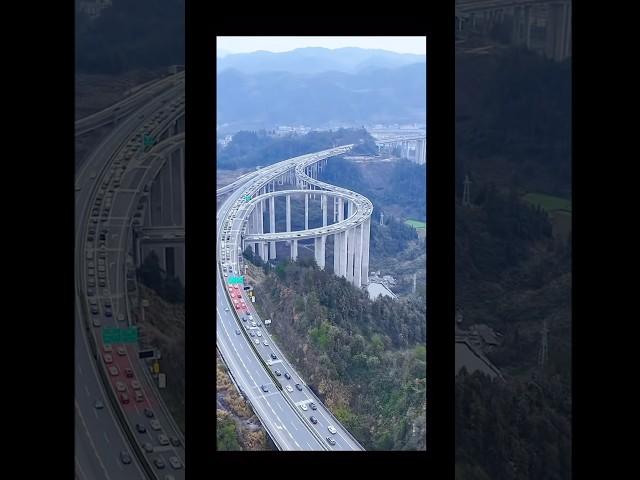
x=548, y=202
x=416, y=224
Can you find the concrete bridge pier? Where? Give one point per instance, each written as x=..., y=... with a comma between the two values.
x=272, y=226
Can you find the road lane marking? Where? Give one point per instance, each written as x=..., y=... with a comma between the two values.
x=93, y=446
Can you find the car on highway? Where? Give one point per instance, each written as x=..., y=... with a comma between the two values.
x=331, y=441
x=289, y=388
x=113, y=370
x=237, y=332
x=298, y=386
x=259, y=333
x=265, y=343
x=257, y=341
x=139, y=396
x=313, y=406
x=125, y=457
x=135, y=384
x=332, y=429
x=128, y=372
x=121, y=387
x=155, y=424
x=108, y=358
x=175, y=463
x=253, y=334
x=98, y=404
x=121, y=317
x=175, y=441
x=163, y=439
x=124, y=398
x=287, y=376
x=277, y=372
x=94, y=309
x=226, y=309
x=273, y=355
x=264, y=388
x=148, y=413
x=159, y=463
x=140, y=428
x=107, y=348
x=313, y=419
x=147, y=447
x=121, y=351
x=96, y=322
x=304, y=407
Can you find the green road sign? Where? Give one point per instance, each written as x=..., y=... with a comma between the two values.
x=110, y=335
x=129, y=335
x=236, y=280
x=120, y=335
x=148, y=140
x=247, y=198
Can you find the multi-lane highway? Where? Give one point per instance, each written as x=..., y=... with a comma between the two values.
x=123, y=429
x=292, y=415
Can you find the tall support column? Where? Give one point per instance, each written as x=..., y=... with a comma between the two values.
x=365, y=252
x=272, y=226
x=294, y=250
x=323, y=245
x=343, y=254
x=336, y=254
x=527, y=26
x=335, y=209
x=350, y=253
x=261, y=251
x=349, y=208
x=324, y=210
x=306, y=211
x=288, y=213
x=316, y=250
x=357, y=267
x=340, y=209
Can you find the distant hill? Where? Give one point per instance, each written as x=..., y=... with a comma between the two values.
x=265, y=99
x=313, y=60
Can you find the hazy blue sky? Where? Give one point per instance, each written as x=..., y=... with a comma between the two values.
x=284, y=44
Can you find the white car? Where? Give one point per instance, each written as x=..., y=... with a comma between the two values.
x=332, y=429
x=257, y=341
x=289, y=388
x=304, y=407
x=259, y=333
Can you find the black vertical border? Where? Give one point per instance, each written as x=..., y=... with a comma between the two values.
x=200, y=252
x=437, y=23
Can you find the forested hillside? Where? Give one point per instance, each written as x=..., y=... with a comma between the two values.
x=513, y=267
x=251, y=149
x=365, y=359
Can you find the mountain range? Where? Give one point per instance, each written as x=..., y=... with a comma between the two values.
x=313, y=60
x=373, y=95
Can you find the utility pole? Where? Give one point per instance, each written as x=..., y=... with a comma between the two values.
x=381, y=218
x=465, y=194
